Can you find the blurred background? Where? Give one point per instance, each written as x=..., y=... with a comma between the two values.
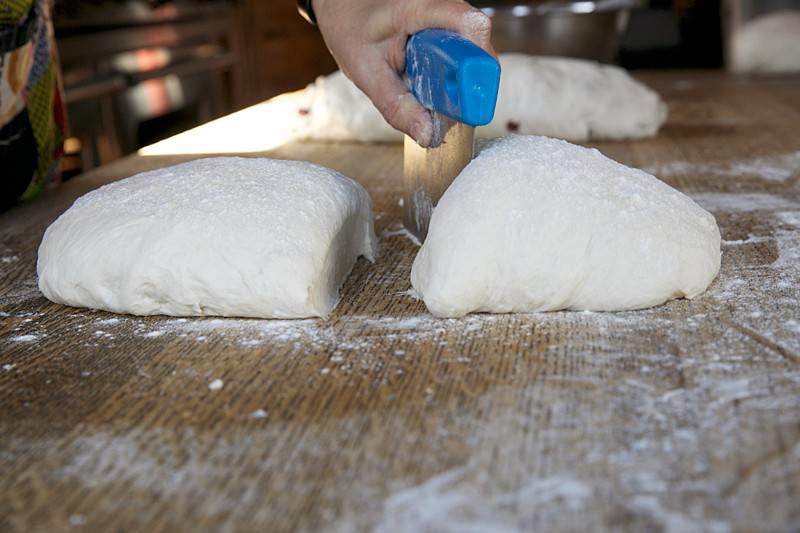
x=137, y=71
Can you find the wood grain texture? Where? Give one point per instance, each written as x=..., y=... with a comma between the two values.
x=685, y=417
x=278, y=51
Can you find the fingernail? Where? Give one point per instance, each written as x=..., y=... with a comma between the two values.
x=422, y=132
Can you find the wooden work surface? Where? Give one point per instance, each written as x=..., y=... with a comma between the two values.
x=684, y=417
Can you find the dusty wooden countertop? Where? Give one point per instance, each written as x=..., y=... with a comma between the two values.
x=682, y=417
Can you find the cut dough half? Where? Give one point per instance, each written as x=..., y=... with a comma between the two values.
x=222, y=236
x=538, y=224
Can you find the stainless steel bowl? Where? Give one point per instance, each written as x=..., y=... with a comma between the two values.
x=589, y=29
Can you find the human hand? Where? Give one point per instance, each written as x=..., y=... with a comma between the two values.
x=368, y=40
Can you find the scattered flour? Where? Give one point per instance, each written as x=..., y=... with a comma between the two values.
x=789, y=218
x=411, y=293
x=788, y=240
x=24, y=338
x=751, y=239
x=399, y=230
x=771, y=168
x=77, y=520
x=685, y=429
x=743, y=202
x=445, y=503
x=687, y=411
x=345, y=336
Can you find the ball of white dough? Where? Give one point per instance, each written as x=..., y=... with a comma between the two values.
x=221, y=236
x=538, y=224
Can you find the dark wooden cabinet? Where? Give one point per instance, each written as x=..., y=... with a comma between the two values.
x=278, y=50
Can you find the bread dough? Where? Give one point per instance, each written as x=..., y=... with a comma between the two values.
x=337, y=110
x=222, y=236
x=572, y=99
x=538, y=224
x=769, y=44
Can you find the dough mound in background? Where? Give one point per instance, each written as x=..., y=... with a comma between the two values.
x=768, y=44
x=221, y=236
x=538, y=224
x=572, y=99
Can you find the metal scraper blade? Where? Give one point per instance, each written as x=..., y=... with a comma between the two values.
x=428, y=172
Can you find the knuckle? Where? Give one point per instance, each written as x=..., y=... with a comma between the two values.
x=477, y=23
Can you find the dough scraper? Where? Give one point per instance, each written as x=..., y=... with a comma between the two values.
x=457, y=81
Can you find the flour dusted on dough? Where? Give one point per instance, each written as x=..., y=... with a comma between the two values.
x=221, y=236
x=538, y=224
x=572, y=99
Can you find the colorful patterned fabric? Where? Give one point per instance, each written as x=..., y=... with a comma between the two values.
x=13, y=12
x=32, y=118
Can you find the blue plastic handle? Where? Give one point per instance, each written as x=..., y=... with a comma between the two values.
x=452, y=76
